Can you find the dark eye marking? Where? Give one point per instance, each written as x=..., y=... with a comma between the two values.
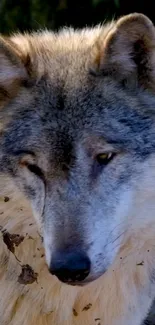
x=36, y=170
x=32, y=167
x=24, y=152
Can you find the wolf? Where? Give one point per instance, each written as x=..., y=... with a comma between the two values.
x=77, y=150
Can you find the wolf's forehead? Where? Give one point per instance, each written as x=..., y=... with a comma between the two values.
x=57, y=54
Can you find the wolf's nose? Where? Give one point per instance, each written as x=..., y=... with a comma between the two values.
x=70, y=267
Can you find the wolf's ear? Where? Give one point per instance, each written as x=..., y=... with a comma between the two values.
x=128, y=50
x=12, y=69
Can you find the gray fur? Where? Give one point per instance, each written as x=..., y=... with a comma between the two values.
x=71, y=116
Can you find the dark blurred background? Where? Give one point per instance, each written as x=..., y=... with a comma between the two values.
x=26, y=15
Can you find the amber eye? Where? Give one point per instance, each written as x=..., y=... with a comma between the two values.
x=105, y=158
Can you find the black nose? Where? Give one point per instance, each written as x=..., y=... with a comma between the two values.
x=70, y=267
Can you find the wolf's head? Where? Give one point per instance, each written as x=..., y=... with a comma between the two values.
x=77, y=137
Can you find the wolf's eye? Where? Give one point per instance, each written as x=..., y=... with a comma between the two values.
x=28, y=161
x=35, y=170
x=105, y=158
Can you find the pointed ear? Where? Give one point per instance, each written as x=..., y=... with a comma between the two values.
x=128, y=50
x=12, y=69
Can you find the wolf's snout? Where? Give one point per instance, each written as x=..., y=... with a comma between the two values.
x=70, y=267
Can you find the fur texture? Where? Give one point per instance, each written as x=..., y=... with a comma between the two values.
x=47, y=301
x=67, y=102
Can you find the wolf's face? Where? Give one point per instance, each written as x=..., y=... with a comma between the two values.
x=77, y=134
